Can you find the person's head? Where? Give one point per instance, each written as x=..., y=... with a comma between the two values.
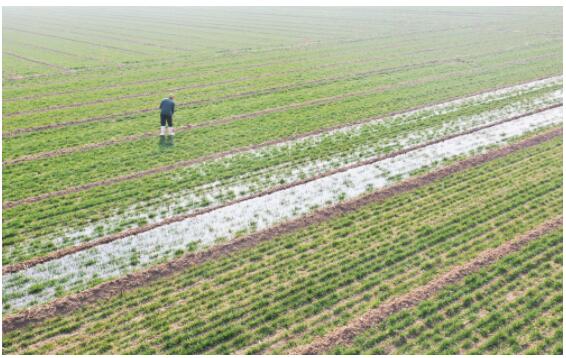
x=171, y=96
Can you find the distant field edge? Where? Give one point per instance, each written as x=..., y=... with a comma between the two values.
x=346, y=334
x=108, y=289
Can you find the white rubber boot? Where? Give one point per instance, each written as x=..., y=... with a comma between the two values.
x=171, y=131
x=162, y=130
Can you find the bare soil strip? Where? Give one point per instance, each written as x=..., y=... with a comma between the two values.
x=186, y=163
x=271, y=90
x=346, y=334
x=138, y=230
x=108, y=289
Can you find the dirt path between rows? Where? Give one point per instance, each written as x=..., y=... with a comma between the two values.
x=73, y=249
x=346, y=334
x=108, y=289
x=265, y=91
x=213, y=156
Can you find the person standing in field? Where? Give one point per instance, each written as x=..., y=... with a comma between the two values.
x=167, y=107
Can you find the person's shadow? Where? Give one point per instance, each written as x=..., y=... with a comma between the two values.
x=166, y=142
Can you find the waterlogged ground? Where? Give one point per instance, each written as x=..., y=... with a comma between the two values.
x=340, y=147
x=328, y=164
x=117, y=258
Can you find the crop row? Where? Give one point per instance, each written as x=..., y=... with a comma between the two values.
x=398, y=54
x=516, y=28
x=117, y=207
x=511, y=307
x=75, y=169
x=226, y=61
x=76, y=114
x=117, y=91
x=247, y=116
x=285, y=291
x=222, y=39
x=117, y=258
x=137, y=103
x=218, y=105
x=250, y=108
x=256, y=24
x=209, y=30
x=318, y=26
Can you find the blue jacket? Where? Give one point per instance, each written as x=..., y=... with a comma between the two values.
x=167, y=107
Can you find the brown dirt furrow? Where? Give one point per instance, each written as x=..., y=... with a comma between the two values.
x=134, y=231
x=186, y=163
x=345, y=335
x=108, y=289
x=36, y=61
x=271, y=90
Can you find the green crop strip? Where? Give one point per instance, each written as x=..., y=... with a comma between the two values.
x=396, y=53
x=43, y=220
x=323, y=275
x=123, y=124
x=253, y=75
x=135, y=70
x=228, y=39
x=75, y=169
x=35, y=116
x=511, y=307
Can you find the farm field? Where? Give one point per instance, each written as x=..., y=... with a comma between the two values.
x=341, y=181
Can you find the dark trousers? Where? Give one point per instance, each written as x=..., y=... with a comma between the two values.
x=166, y=118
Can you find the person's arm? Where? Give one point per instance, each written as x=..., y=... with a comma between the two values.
x=161, y=105
x=173, y=109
